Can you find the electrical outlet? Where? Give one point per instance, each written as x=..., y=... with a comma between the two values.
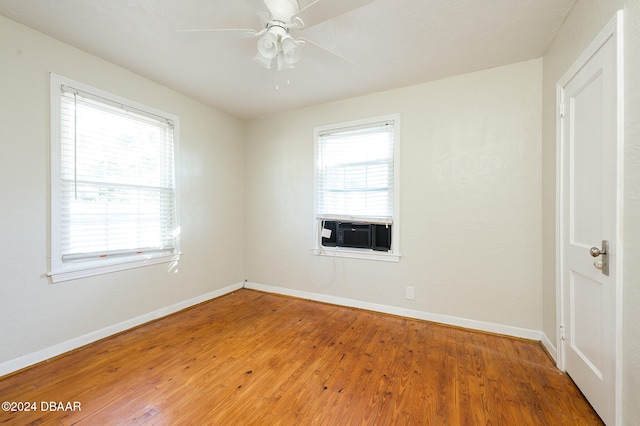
x=409, y=292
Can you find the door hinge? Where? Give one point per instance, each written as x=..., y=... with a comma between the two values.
x=562, y=337
x=561, y=110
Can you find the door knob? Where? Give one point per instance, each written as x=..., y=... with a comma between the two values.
x=602, y=264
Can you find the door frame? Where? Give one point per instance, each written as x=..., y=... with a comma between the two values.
x=614, y=29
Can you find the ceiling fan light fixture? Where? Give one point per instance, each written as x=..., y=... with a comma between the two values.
x=282, y=62
x=291, y=49
x=268, y=45
x=281, y=17
x=265, y=62
x=277, y=42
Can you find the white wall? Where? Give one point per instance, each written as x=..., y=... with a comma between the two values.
x=34, y=314
x=585, y=21
x=470, y=199
x=477, y=242
x=631, y=304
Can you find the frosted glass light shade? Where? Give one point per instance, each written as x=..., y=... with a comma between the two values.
x=268, y=45
x=265, y=62
x=291, y=49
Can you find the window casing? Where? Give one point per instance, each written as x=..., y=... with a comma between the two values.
x=114, y=195
x=357, y=171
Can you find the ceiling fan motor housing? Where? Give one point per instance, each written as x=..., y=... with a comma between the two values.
x=268, y=43
x=282, y=10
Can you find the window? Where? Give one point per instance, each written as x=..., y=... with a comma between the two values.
x=114, y=195
x=356, y=182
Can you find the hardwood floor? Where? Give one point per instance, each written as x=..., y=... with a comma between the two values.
x=256, y=358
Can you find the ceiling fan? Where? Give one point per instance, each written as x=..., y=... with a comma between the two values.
x=281, y=18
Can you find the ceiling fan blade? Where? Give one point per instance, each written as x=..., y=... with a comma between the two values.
x=264, y=17
x=218, y=34
x=261, y=10
x=322, y=10
x=321, y=53
x=257, y=5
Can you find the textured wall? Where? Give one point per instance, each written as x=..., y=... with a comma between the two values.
x=470, y=199
x=631, y=313
x=585, y=21
x=34, y=314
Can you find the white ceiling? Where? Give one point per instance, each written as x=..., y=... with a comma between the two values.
x=394, y=43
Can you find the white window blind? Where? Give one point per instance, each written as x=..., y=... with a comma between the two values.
x=355, y=175
x=114, y=185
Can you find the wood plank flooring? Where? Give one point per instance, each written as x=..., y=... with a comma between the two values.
x=255, y=358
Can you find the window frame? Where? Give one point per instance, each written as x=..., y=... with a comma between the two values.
x=64, y=271
x=392, y=255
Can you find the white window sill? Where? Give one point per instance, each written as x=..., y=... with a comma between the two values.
x=73, y=271
x=355, y=253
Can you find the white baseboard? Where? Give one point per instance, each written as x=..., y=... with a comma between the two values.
x=523, y=333
x=55, y=350
x=550, y=347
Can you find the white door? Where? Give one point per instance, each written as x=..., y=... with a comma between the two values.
x=589, y=148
